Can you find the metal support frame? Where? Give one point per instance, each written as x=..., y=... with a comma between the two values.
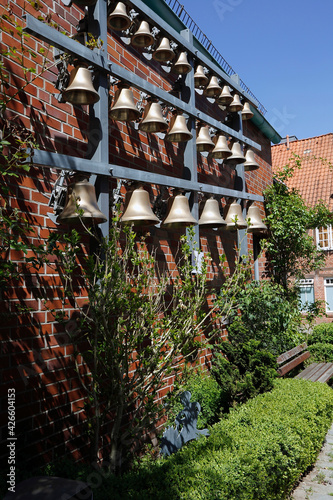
x=99, y=152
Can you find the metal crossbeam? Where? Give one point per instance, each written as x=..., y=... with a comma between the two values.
x=71, y=163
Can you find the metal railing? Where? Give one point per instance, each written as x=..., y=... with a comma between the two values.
x=184, y=16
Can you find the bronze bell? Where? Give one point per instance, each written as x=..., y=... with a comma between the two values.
x=254, y=220
x=153, y=120
x=124, y=109
x=221, y=150
x=178, y=131
x=163, y=52
x=204, y=141
x=182, y=66
x=234, y=219
x=213, y=89
x=118, y=19
x=246, y=111
x=200, y=79
x=211, y=216
x=225, y=97
x=80, y=89
x=236, y=157
x=142, y=37
x=178, y=213
x=137, y=209
x=235, y=105
x=81, y=196
x=250, y=163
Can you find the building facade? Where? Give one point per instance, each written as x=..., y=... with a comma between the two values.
x=314, y=181
x=77, y=136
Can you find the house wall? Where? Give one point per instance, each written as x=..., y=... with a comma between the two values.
x=36, y=355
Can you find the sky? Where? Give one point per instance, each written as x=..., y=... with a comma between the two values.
x=283, y=51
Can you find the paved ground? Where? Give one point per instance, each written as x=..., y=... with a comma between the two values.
x=318, y=484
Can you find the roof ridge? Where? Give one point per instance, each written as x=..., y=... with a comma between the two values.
x=301, y=140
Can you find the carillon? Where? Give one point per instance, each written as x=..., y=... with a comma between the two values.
x=235, y=105
x=254, y=221
x=178, y=131
x=178, y=213
x=200, y=79
x=236, y=157
x=234, y=219
x=80, y=89
x=225, y=98
x=81, y=204
x=250, y=163
x=221, y=150
x=143, y=36
x=153, y=120
x=204, y=141
x=137, y=209
x=118, y=19
x=182, y=66
x=124, y=108
x=213, y=89
x=211, y=216
x=246, y=112
x=163, y=52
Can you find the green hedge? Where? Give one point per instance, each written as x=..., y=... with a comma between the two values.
x=322, y=333
x=258, y=452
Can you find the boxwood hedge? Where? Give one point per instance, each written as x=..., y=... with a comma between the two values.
x=259, y=451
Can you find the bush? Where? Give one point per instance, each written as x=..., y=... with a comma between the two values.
x=267, y=316
x=321, y=352
x=242, y=371
x=322, y=333
x=258, y=452
x=205, y=390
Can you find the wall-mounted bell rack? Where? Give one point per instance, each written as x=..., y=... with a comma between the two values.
x=98, y=162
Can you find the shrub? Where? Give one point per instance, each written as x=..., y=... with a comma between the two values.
x=267, y=316
x=322, y=333
x=205, y=390
x=258, y=452
x=321, y=352
x=242, y=371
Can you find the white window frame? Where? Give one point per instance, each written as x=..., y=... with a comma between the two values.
x=307, y=283
x=329, y=235
x=328, y=283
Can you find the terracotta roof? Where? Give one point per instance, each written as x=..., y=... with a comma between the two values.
x=314, y=179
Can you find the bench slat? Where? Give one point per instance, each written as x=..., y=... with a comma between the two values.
x=317, y=372
x=292, y=352
x=312, y=372
x=289, y=366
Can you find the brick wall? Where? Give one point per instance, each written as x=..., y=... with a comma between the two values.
x=36, y=354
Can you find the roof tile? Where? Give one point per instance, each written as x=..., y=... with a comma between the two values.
x=314, y=180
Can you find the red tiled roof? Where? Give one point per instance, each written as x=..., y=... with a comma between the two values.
x=314, y=180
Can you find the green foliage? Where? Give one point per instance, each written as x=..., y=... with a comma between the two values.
x=321, y=352
x=290, y=249
x=322, y=333
x=137, y=324
x=204, y=390
x=258, y=452
x=242, y=370
x=266, y=315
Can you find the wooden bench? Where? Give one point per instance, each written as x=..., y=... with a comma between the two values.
x=316, y=372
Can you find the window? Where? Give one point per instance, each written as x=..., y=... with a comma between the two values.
x=306, y=291
x=329, y=294
x=324, y=237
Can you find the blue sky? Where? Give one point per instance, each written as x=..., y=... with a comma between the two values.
x=282, y=51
